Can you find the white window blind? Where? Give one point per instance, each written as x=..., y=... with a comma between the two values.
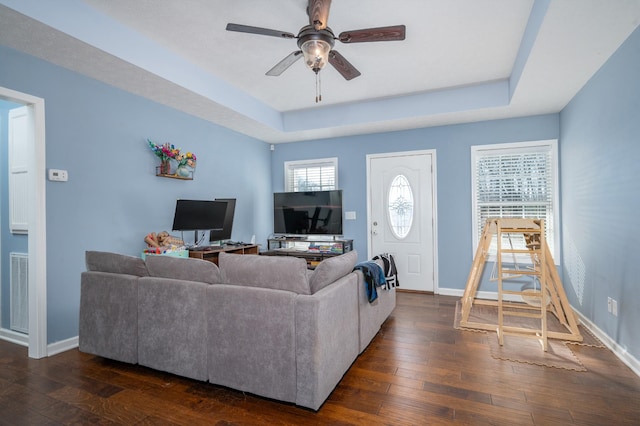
x=515, y=180
x=311, y=175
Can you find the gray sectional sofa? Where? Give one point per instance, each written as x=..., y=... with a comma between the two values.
x=260, y=324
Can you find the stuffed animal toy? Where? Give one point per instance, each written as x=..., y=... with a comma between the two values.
x=162, y=239
x=152, y=240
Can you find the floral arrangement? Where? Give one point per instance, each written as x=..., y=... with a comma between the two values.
x=168, y=152
x=165, y=151
x=188, y=159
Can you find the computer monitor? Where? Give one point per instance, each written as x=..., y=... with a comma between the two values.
x=225, y=233
x=198, y=215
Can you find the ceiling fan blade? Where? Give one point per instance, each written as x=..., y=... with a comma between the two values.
x=343, y=66
x=257, y=30
x=285, y=63
x=393, y=33
x=318, y=11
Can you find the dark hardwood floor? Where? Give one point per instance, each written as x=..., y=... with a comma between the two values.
x=419, y=370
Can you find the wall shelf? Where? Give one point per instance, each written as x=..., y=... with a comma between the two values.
x=174, y=175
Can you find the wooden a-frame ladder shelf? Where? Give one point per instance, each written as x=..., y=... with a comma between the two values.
x=549, y=298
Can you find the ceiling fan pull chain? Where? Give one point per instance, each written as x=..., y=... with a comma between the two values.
x=318, y=88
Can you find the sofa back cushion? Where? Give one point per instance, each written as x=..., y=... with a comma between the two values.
x=102, y=261
x=331, y=269
x=186, y=269
x=276, y=272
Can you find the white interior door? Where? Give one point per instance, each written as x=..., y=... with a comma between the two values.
x=20, y=129
x=401, y=205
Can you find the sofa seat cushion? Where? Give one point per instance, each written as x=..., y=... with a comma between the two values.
x=186, y=269
x=275, y=272
x=100, y=261
x=332, y=269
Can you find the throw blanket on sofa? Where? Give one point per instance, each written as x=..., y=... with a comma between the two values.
x=390, y=271
x=373, y=278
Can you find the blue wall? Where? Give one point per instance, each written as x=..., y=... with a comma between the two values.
x=453, y=156
x=9, y=242
x=600, y=158
x=113, y=198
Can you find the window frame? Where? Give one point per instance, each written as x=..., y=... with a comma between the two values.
x=291, y=166
x=549, y=146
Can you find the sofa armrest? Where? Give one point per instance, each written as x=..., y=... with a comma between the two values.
x=109, y=315
x=373, y=315
x=326, y=339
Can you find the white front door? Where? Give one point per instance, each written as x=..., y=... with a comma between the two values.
x=401, y=206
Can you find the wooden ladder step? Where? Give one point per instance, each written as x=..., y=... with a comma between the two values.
x=522, y=293
x=519, y=331
x=521, y=251
x=519, y=272
x=519, y=305
x=522, y=314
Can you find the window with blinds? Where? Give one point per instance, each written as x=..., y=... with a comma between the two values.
x=311, y=175
x=515, y=180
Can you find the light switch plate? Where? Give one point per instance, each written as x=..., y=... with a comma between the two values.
x=58, y=175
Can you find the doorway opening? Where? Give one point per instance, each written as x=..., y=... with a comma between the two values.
x=36, y=217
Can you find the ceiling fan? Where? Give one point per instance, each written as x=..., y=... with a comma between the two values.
x=316, y=41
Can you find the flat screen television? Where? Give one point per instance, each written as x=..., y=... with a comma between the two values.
x=308, y=213
x=199, y=215
x=227, y=224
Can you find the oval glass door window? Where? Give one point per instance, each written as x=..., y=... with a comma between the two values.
x=400, y=206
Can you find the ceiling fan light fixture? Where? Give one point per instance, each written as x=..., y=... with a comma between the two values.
x=315, y=46
x=316, y=53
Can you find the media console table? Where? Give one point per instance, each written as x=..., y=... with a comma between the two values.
x=212, y=254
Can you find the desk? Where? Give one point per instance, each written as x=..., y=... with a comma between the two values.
x=212, y=254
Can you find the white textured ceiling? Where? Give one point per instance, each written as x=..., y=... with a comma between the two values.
x=462, y=60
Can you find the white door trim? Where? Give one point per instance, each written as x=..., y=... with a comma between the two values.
x=434, y=183
x=37, y=239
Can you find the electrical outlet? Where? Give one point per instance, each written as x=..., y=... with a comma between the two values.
x=609, y=304
x=614, y=307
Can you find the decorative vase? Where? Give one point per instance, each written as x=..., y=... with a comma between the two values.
x=183, y=171
x=165, y=167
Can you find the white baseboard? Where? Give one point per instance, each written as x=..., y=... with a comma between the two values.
x=14, y=337
x=62, y=346
x=624, y=356
x=450, y=292
x=488, y=295
x=23, y=340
